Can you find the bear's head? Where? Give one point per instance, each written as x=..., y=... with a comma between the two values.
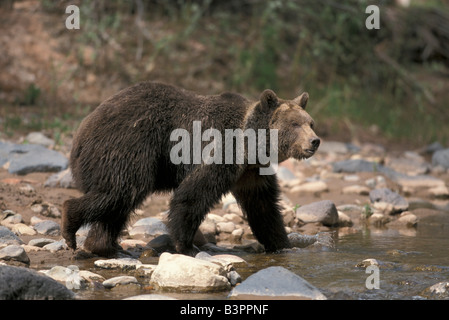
x=296, y=138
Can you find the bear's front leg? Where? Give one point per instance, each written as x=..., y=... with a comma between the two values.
x=258, y=196
x=194, y=198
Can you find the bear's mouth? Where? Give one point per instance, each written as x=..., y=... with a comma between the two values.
x=309, y=152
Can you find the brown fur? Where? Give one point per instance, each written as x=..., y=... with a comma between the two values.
x=121, y=151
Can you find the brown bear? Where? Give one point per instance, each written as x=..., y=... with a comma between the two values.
x=123, y=152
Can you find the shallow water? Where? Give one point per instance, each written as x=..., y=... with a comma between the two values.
x=410, y=260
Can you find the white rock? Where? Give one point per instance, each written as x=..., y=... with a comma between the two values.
x=122, y=263
x=184, y=273
x=120, y=280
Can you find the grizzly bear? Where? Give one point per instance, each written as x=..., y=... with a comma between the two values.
x=123, y=152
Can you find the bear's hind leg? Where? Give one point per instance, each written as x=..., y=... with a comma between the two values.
x=72, y=219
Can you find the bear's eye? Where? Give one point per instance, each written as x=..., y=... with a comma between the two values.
x=312, y=125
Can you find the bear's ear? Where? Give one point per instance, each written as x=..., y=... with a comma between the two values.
x=302, y=100
x=268, y=99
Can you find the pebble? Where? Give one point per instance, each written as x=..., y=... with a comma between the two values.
x=23, y=229
x=14, y=253
x=441, y=158
x=311, y=187
x=7, y=237
x=40, y=242
x=120, y=280
x=46, y=209
x=121, y=263
x=388, y=201
x=356, y=189
x=148, y=227
x=48, y=227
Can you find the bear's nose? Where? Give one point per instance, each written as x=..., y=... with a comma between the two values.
x=315, y=143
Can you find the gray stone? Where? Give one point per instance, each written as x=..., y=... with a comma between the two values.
x=388, y=201
x=14, y=253
x=7, y=237
x=56, y=246
x=48, y=227
x=275, y=282
x=27, y=158
x=40, y=242
x=18, y=283
x=323, y=211
x=148, y=227
x=441, y=158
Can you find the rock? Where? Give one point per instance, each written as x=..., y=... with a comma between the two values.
x=7, y=237
x=48, y=227
x=27, y=158
x=344, y=220
x=148, y=227
x=40, y=139
x=337, y=147
x=323, y=211
x=10, y=218
x=388, y=201
x=439, y=290
x=162, y=243
x=46, y=209
x=40, y=242
x=410, y=164
x=275, y=283
x=356, y=189
x=69, y=276
x=226, y=227
x=14, y=253
x=61, y=179
x=406, y=219
x=439, y=192
x=57, y=246
x=311, y=187
x=378, y=219
x=22, y=229
x=183, y=273
x=441, y=158
x=319, y=240
x=120, y=280
x=367, y=262
x=18, y=283
x=408, y=183
x=121, y=263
